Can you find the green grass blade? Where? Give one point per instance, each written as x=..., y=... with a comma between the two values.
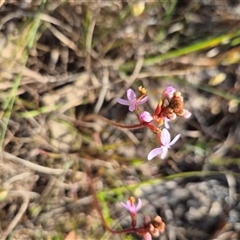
x=26, y=41
x=197, y=46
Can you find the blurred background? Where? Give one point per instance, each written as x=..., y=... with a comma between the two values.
x=63, y=60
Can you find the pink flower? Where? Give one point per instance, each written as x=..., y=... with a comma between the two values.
x=145, y=117
x=166, y=144
x=132, y=101
x=168, y=92
x=131, y=207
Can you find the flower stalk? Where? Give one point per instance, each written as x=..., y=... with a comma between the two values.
x=169, y=107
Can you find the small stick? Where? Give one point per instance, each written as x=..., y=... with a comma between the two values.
x=33, y=166
x=19, y=215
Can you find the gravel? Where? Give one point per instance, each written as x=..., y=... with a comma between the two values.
x=194, y=210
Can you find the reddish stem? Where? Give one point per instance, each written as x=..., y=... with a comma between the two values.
x=98, y=208
x=115, y=124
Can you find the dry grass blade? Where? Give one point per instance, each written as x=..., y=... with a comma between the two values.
x=25, y=197
x=63, y=38
x=33, y=166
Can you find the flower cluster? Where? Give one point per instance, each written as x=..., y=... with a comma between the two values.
x=151, y=227
x=168, y=108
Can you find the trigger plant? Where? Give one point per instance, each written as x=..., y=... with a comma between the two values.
x=169, y=107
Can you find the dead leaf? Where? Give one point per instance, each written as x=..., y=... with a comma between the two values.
x=216, y=80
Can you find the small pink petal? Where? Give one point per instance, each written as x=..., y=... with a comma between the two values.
x=131, y=95
x=166, y=124
x=145, y=117
x=139, y=205
x=142, y=101
x=165, y=137
x=132, y=107
x=122, y=101
x=125, y=206
x=164, y=152
x=168, y=92
x=175, y=140
x=154, y=153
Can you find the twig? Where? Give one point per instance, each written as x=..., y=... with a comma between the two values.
x=15, y=14
x=102, y=94
x=63, y=39
x=33, y=166
x=19, y=215
x=232, y=189
x=131, y=136
x=18, y=177
x=17, y=193
x=89, y=37
x=47, y=190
